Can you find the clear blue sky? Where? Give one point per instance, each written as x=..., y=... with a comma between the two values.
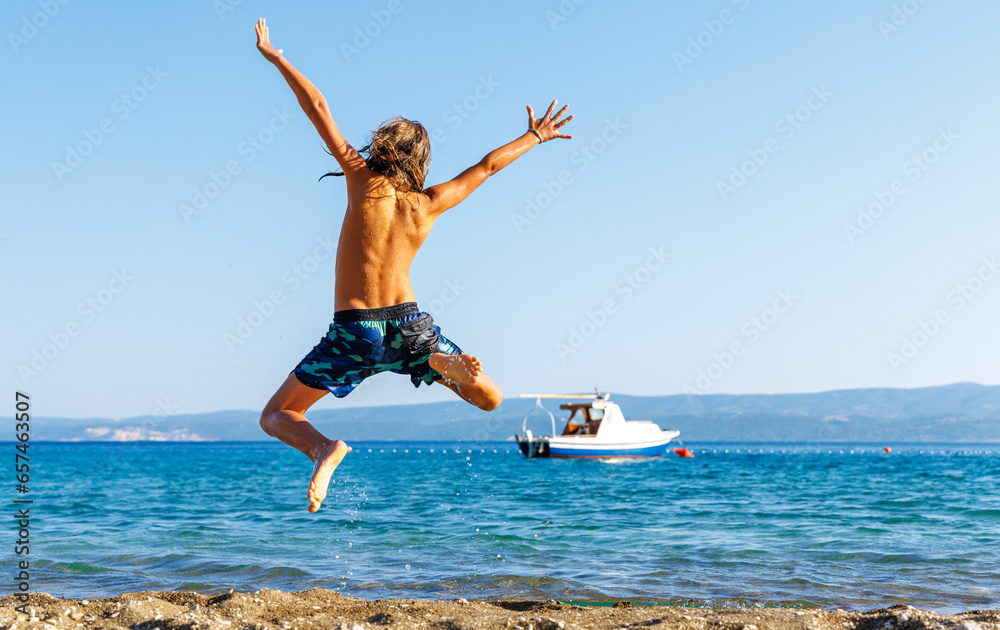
x=116, y=115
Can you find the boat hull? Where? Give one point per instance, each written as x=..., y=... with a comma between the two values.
x=533, y=447
x=564, y=448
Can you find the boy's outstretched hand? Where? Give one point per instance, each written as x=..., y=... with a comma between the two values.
x=547, y=127
x=264, y=43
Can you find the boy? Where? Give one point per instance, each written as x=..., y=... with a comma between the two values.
x=377, y=326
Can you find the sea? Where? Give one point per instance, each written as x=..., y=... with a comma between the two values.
x=749, y=525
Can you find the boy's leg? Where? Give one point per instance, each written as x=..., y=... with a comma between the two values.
x=282, y=418
x=463, y=374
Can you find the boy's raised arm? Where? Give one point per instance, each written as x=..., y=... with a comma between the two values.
x=313, y=104
x=451, y=193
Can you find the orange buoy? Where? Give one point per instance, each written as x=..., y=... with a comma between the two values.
x=887, y=449
x=684, y=452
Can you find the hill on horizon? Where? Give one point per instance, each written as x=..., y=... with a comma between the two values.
x=961, y=412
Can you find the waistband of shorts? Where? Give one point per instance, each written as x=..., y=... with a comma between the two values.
x=383, y=314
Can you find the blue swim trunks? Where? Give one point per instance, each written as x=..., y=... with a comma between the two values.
x=364, y=342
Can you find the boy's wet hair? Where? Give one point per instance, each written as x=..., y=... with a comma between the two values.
x=400, y=150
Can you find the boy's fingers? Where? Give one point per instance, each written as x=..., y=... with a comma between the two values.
x=563, y=122
x=561, y=111
x=551, y=107
x=531, y=112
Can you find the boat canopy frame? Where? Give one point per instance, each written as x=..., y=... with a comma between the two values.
x=538, y=405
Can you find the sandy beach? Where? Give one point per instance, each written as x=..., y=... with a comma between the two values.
x=319, y=608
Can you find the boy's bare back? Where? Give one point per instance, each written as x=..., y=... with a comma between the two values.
x=381, y=233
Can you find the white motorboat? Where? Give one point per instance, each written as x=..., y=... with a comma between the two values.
x=594, y=429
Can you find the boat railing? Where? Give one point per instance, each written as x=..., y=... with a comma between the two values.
x=538, y=405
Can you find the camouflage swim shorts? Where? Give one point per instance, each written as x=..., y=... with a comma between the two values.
x=364, y=342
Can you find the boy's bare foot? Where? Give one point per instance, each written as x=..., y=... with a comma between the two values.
x=458, y=368
x=327, y=459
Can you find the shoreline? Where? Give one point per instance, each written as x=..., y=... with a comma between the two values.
x=270, y=609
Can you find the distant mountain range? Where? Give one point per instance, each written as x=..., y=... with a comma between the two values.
x=964, y=412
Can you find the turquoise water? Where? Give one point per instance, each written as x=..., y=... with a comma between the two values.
x=843, y=526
